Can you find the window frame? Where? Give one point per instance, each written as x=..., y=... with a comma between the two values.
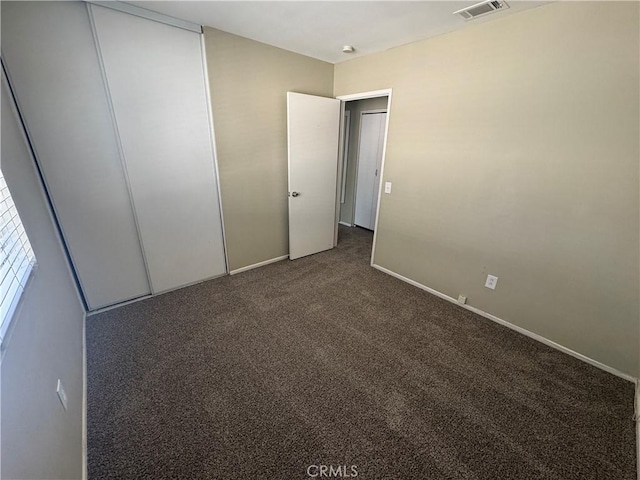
x=17, y=260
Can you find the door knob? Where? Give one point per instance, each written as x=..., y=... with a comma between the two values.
x=294, y=194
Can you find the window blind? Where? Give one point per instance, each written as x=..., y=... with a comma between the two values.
x=16, y=256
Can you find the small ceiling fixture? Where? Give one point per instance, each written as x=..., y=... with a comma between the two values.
x=481, y=9
x=348, y=49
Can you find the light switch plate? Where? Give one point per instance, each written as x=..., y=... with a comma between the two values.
x=387, y=187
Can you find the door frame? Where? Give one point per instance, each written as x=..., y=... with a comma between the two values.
x=355, y=185
x=387, y=92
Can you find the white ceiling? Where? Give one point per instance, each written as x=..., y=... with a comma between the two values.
x=319, y=29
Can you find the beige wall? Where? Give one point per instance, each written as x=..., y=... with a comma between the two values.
x=355, y=107
x=39, y=439
x=249, y=82
x=513, y=150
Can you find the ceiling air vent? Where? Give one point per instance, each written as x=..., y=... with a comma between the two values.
x=481, y=9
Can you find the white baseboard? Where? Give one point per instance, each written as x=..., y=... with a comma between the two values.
x=85, y=472
x=150, y=295
x=257, y=265
x=345, y=224
x=518, y=329
x=637, y=419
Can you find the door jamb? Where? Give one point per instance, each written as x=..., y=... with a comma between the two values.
x=387, y=92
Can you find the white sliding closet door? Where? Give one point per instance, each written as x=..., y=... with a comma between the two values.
x=155, y=77
x=49, y=51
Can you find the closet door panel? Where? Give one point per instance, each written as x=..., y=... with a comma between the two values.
x=51, y=58
x=156, y=81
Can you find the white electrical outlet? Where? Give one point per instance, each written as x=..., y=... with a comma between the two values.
x=462, y=299
x=387, y=187
x=491, y=282
x=61, y=394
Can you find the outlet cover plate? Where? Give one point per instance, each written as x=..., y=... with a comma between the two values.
x=491, y=282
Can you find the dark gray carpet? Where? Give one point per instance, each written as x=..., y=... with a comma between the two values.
x=326, y=361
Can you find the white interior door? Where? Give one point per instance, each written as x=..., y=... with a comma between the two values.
x=378, y=176
x=313, y=129
x=372, y=126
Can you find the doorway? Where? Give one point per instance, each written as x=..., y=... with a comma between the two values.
x=364, y=141
x=316, y=136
